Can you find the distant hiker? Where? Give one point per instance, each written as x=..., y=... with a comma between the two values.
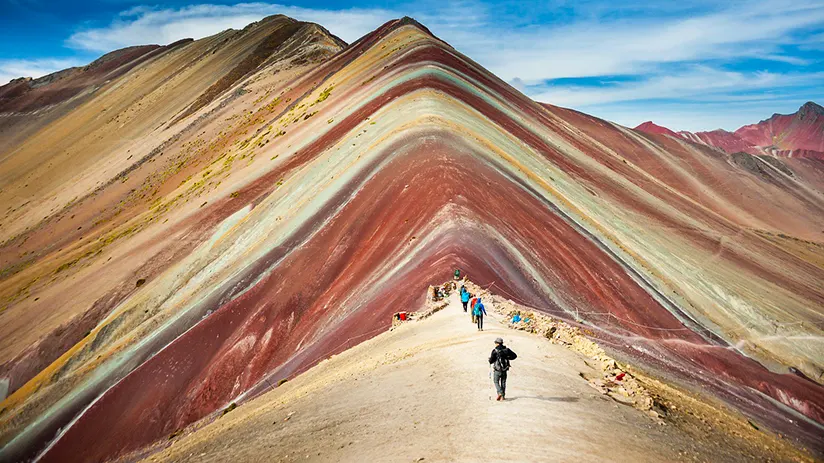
x=499, y=359
x=479, y=312
x=464, y=297
x=472, y=301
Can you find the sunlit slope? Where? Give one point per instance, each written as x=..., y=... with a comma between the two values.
x=65, y=274
x=312, y=208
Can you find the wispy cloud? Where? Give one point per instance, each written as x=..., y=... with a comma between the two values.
x=602, y=46
x=144, y=24
x=12, y=69
x=740, y=60
x=698, y=83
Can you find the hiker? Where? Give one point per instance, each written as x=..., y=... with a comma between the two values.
x=464, y=297
x=472, y=301
x=499, y=360
x=479, y=312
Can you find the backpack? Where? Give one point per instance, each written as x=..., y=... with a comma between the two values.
x=478, y=309
x=502, y=362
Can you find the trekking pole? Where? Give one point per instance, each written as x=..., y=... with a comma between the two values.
x=494, y=391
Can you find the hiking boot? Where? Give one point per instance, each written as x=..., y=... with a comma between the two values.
x=500, y=397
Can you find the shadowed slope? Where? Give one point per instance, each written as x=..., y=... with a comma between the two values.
x=377, y=173
x=727, y=141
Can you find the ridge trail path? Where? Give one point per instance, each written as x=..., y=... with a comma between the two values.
x=422, y=392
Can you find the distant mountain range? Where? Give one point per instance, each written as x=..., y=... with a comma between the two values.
x=800, y=134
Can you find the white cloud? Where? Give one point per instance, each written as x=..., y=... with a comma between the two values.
x=683, y=57
x=600, y=47
x=592, y=45
x=14, y=68
x=698, y=99
x=698, y=83
x=143, y=24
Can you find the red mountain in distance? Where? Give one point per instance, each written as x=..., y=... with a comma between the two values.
x=727, y=141
x=651, y=127
x=800, y=134
x=802, y=130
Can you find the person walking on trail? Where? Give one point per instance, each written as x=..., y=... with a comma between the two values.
x=472, y=301
x=499, y=360
x=479, y=312
x=464, y=297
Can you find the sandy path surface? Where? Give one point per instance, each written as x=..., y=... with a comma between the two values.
x=422, y=392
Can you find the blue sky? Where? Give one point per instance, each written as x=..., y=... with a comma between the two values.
x=687, y=65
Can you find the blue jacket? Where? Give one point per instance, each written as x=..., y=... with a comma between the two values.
x=479, y=309
x=464, y=296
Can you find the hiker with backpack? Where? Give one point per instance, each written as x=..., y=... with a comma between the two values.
x=479, y=311
x=499, y=360
x=464, y=297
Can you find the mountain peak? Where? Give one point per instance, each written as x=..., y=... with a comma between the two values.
x=810, y=107
x=410, y=21
x=800, y=130
x=652, y=127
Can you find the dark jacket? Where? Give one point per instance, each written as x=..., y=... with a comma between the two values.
x=504, y=351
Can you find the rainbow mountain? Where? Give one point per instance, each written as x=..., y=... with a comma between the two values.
x=185, y=226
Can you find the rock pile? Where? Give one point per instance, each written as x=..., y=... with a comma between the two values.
x=433, y=304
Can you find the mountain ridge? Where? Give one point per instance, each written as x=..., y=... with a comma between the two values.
x=797, y=134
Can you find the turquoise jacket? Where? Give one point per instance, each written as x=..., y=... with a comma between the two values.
x=479, y=309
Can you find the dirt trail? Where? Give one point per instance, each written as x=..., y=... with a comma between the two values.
x=422, y=392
